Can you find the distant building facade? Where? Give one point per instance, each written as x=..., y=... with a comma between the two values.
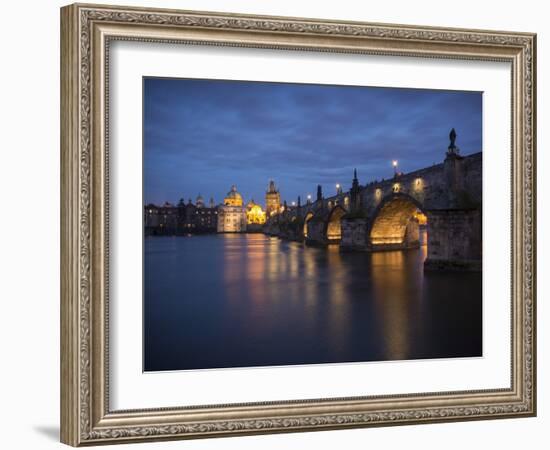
x=206, y=218
x=183, y=218
x=160, y=219
x=232, y=214
x=272, y=200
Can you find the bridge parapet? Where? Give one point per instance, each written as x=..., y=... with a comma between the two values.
x=454, y=183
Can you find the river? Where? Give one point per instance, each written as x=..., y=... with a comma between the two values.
x=241, y=300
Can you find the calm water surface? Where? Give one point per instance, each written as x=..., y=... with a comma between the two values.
x=216, y=301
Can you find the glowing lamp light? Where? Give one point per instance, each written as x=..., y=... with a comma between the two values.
x=309, y=196
x=394, y=164
x=293, y=203
x=337, y=186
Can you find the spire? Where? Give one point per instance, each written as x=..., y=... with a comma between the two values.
x=355, y=182
x=355, y=192
x=319, y=193
x=299, y=202
x=271, y=189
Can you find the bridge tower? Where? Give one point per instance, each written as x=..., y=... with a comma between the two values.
x=272, y=200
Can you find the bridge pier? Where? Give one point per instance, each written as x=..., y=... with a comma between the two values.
x=412, y=234
x=454, y=240
x=292, y=230
x=316, y=232
x=354, y=234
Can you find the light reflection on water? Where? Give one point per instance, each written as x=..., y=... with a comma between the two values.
x=251, y=300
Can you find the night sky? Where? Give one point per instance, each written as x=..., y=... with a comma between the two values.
x=202, y=136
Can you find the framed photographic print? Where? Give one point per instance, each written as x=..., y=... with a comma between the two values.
x=274, y=224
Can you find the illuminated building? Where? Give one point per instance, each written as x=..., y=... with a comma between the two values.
x=272, y=200
x=232, y=214
x=254, y=213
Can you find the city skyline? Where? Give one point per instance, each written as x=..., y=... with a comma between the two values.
x=203, y=136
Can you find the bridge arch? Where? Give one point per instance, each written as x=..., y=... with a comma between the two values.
x=395, y=222
x=333, y=229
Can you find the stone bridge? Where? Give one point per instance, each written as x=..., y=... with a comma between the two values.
x=444, y=200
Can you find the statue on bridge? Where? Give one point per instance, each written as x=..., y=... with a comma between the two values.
x=452, y=149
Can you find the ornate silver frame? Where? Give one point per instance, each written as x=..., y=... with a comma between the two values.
x=86, y=31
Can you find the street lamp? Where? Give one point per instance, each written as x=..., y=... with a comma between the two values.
x=337, y=188
x=394, y=164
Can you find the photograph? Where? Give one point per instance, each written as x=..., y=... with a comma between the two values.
x=293, y=224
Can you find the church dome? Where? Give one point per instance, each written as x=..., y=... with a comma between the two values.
x=233, y=197
x=233, y=192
